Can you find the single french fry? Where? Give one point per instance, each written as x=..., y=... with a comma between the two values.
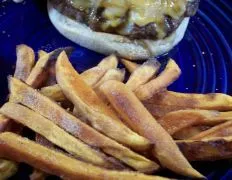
x=159, y=111
x=221, y=130
x=15, y=147
x=99, y=115
x=110, y=62
x=189, y=132
x=111, y=74
x=143, y=74
x=214, y=101
x=53, y=133
x=178, y=120
x=38, y=175
x=54, y=92
x=42, y=53
x=167, y=77
x=25, y=62
x=7, y=169
x=206, y=150
x=130, y=66
x=39, y=73
x=140, y=120
x=31, y=98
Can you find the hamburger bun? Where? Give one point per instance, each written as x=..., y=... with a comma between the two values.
x=106, y=43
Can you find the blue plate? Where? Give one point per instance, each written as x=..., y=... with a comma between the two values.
x=204, y=55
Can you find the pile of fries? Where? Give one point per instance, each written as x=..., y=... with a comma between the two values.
x=94, y=125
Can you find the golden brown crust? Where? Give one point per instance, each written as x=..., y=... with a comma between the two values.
x=221, y=130
x=140, y=120
x=206, y=150
x=215, y=101
x=178, y=120
x=167, y=77
x=159, y=111
x=41, y=53
x=189, y=132
x=100, y=116
x=52, y=111
x=56, y=135
x=15, y=147
x=143, y=74
x=130, y=66
x=54, y=92
x=25, y=62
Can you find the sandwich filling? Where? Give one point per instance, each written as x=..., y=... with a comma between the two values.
x=136, y=19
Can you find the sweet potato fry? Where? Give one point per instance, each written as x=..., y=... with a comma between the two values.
x=189, y=132
x=39, y=73
x=15, y=147
x=159, y=111
x=38, y=175
x=110, y=62
x=130, y=66
x=143, y=74
x=178, y=120
x=140, y=120
x=25, y=62
x=90, y=76
x=215, y=101
x=54, y=92
x=99, y=115
x=111, y=74
x=41, y=53
x=167, y=77
x=46, y=107
x=53, y=133
x=221, y=130
x=206, y=150
x=7, y=169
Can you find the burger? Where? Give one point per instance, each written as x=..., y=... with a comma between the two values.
x=133, y=29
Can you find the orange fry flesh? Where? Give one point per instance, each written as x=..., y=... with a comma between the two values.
x=40, y=71
x=216, y=101
x=159, y=111
x=111, y=74
x=54, y=92
x=140, y=120
x=189, y=132
x=206, y=150
x=25, y=62
x=110, y=62
x=100, y=116
x=166, y=78
x=53, y=133
x=221, y=130
x=15, y=147
x=42, y=53
x=143, y=74
x=46, y=107
x=130, y=66
x=178, y=120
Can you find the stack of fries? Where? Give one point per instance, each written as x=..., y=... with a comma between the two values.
x=93, y=125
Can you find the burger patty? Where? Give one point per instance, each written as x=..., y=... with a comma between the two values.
x=148, y=31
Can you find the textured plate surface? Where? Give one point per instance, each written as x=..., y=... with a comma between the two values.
x=205, y=54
